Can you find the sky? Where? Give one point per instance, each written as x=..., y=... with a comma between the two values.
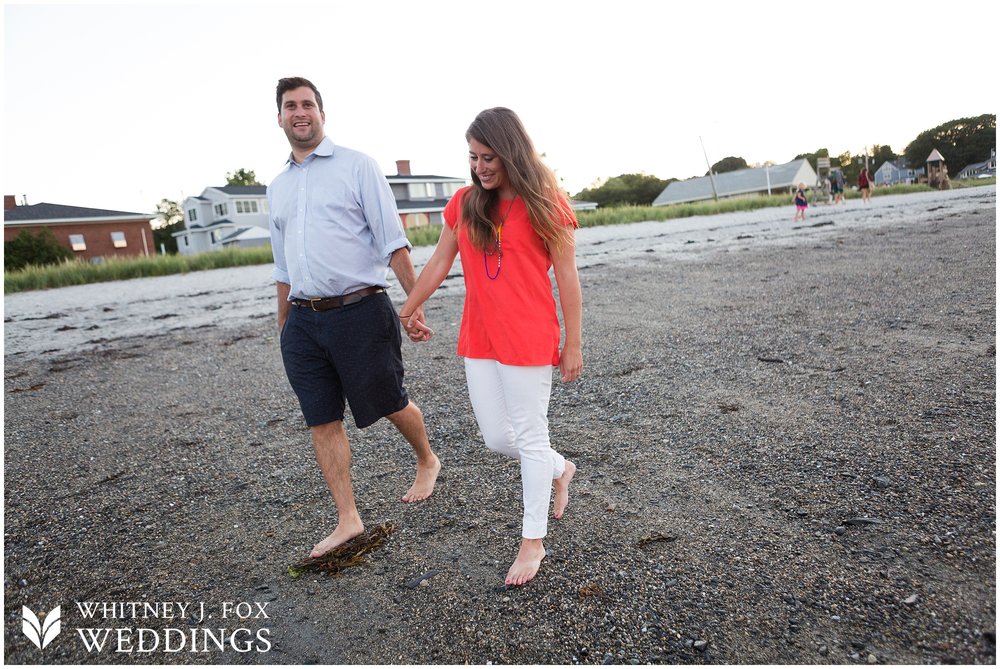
x=120, y=105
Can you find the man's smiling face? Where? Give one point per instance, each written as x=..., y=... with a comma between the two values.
x=301, y=118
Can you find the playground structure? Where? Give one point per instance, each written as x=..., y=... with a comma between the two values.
x=821, y=192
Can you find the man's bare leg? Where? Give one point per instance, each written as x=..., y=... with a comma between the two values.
x=410, y=423
x=527, y=562
x=561, y=485
x=333, y=453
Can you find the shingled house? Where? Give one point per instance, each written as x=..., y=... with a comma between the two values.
x=92, y=234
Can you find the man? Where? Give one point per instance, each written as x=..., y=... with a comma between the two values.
x=334, y=233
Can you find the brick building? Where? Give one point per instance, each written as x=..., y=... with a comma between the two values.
x=91, y=234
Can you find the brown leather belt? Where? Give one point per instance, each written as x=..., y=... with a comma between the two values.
x=324, y=303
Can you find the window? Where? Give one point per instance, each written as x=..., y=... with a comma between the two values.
x=421, y=191
x=451, y=188
x=192, y=215
x=216, y=236
x=76, y=241
x=118, y=239
x=246, y=206
x=221, y=209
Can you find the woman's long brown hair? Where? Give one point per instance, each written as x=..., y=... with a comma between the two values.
x=501, y=130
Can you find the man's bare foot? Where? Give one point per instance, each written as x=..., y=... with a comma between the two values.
x=562, y=489
x=423, y=486
x=344, y=533
x=527, y=563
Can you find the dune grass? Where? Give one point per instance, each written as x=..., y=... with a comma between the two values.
x=79, y=272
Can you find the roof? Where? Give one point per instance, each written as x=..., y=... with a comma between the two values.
x=211, y=224
x=975, y=166
x=242, y=190
x=46, y=211
x=413, y=206
x=407, y=178
x=252, y=232
x=935, y=155
x=738, y=182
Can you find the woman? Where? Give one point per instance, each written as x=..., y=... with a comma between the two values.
x=865, y=185
x=510, y=226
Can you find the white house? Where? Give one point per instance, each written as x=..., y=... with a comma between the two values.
x=985, y=169
x=751, y=182
x=224, y=216
x=238, y=215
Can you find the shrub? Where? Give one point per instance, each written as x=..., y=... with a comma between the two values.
x=27, y=249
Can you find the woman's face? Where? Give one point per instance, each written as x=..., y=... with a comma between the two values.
x=488, y=167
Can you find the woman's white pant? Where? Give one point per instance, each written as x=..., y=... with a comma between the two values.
x=511, y=406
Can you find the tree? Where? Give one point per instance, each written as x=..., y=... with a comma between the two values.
x=811, y=157
x=730, y=164
x=881, y=154
x=27, y=249
x=169, y=219
x=242, y=177
x=962, y=142
x=625, y=189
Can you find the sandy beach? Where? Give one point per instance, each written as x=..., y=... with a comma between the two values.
x=785, y=434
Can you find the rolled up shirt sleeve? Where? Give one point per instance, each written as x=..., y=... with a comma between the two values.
x=379, y=206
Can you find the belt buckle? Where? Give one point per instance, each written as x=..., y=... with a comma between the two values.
x=313, y=301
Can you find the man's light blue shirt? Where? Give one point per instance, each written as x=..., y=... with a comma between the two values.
x=334, y=223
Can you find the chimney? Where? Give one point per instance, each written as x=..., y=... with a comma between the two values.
x=9, y=202
x=403, y=168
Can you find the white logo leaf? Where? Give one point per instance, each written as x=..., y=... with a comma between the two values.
x=31, y=627
x=39, y=634
x=52, y=626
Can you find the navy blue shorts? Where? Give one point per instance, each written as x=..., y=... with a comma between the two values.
x=351, y=352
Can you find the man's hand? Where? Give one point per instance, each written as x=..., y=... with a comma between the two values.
x=416, y=329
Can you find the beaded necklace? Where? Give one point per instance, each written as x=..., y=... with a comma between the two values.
x=499, y=252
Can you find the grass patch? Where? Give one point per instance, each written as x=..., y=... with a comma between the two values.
x=425, y=235
x=80, y=272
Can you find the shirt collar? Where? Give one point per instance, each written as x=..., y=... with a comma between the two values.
x=323, y=149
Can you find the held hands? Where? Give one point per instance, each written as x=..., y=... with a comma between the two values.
x=416, y=329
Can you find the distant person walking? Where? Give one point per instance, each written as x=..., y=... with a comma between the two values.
x=865, y=185
x=510, y=227
x=801, y=202
x=837, y=186
x=335, y=232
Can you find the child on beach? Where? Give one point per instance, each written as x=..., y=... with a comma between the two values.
x=801, y=202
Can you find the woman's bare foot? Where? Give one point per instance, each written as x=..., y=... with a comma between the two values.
x=423, y=485
x=345, y=532
x=527, y=563
x=562, y=489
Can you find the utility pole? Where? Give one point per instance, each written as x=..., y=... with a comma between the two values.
x=715, y=193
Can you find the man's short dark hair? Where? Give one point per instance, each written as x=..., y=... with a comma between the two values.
x=291, y=83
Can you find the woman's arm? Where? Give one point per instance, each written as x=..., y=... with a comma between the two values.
x=431, y=276
x=571, y=300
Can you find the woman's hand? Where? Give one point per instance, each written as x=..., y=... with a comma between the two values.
x=571, y=362
x=416, y=329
